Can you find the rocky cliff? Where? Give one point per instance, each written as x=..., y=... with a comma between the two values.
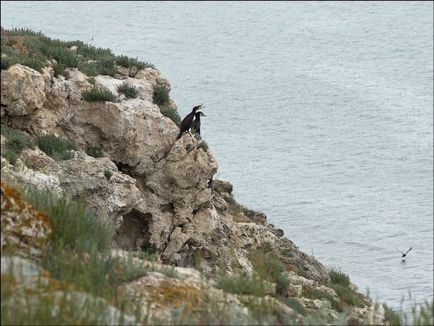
x=132, y=173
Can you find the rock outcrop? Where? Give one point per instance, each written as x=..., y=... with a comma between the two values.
x=154, y=189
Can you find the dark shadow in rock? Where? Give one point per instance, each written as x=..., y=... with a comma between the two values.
x=133, y=233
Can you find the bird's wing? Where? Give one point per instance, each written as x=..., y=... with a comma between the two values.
x=399, y=251
x=409, y=250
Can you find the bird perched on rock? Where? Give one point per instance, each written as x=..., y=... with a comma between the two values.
x=404, y=254
x=195, y=126
x=188, y=120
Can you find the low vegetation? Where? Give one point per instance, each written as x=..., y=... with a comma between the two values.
x=161, y=95
x=98, y=94
x=57, y=148
x=172, y=114
x=340, y=282
x=33, y=49
x=203, y=145
x=94, y=151
x=252, y=285
x=391, y=316
x=108, y=174
x=78, y=259
x=128, y=62
x=269, y=267
x=16, y=140
x=10, y=156
x=128, y=91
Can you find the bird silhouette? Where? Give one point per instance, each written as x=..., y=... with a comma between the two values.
x=195, y=126
x=188, y=120
x=404, y=254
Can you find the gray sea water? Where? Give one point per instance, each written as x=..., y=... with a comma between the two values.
x=319, y=113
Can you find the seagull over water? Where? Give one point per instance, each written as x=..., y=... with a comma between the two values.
x=404, y=254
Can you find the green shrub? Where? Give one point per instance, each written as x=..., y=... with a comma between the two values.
x=6, y=63
x=347, y=295
x=57, y=148
x=73, y=226
x=94, y=151
x=11, y=156
x=33, y=63
x=106, y=66
x=91, y=52
x=108, y=174
x=167, y=271
x=242, y=285
x=160, y=95
x=59, y=69
x=127, y=62
x=63, y=56
x=88, y=69
x=23, y=31
x=128, y=91
x=79, y=250
x=197, y=259
x=33, y=49
x=296, y=306
x=338, y=277
x=97, y=94
x=282, y=285
x=16, y=140
x=203, y=145
x=171, y=114
x=391, y=316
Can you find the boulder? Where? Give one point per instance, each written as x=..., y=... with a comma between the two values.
x=23, y=90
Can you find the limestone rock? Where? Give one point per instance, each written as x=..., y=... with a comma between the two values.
x=84, y=178
x=31, y=285
x=23, y=90
x=23, y=228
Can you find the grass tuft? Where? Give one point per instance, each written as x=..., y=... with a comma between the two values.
x=203, y=145
x=127, y=62
x=172, y=114
x=391, y=316
x=73, y=226
x=269, y=267
x=94, y=151
x=16, y=140
x=97, y=94
x=161, y=94
x=338, y=277
x=6, y=63
x=296, y=306
x=128, y=91
x=11, y=156
x=59, y=69
x=242, y=285
x=108, y=174
x=34, y=63
x=56, y=147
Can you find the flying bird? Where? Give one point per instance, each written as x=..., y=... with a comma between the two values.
x=404, y=254
x=188, y=120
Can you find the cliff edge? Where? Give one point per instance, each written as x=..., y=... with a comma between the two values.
x=106, y=137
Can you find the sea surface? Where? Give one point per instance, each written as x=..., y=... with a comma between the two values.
x=319, y=113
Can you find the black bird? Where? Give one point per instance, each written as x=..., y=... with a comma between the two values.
x=195, y=126
x=404, y=254
x=188, y=120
